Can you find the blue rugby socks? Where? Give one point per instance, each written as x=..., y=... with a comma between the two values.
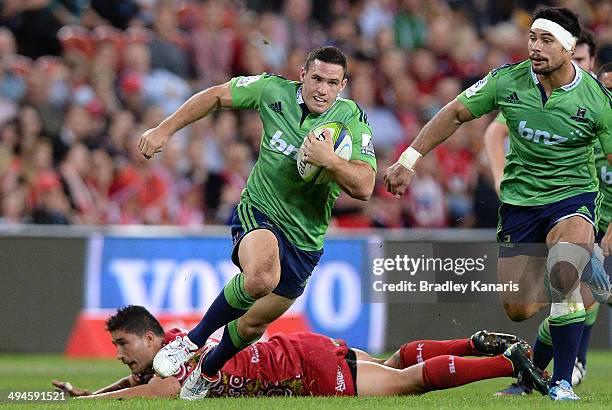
x=542, y=348
x=565, y=332
x=231, y=343
x=230, y=304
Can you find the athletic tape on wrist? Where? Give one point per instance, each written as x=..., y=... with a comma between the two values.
x=409, y=158
x=567, y=40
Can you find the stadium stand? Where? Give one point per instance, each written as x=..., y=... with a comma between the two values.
x=80, y=82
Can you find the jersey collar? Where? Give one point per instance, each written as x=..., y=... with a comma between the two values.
x=567, y=87
x=300, y=100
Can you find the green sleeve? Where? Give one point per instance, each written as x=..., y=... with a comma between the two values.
x=500, y=118
x=361, y=133
x=604, y=131
x=481, y=97
x=247, y=91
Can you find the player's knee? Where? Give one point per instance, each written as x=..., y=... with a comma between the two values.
x=563, y=277
x=411, y=380
x=519, y=312
x=260, y=284
x=565, y=263
x=262, y=277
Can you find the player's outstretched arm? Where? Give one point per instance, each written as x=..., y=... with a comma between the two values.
x=72, y=391
x=399, y=175
x=494, y=138
x=197, y=107
x=157, y=387
x=441, y=126
x=69, y=389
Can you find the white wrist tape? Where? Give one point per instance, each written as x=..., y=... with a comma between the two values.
x=409, y=158
x=567, y=40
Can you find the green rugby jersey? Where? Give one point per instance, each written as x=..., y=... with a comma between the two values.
x=551, y=140
x=604, y=172
x=302, y=210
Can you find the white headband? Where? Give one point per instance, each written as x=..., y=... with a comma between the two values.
x=567, y=40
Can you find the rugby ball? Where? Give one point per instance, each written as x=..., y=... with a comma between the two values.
x=343, y=147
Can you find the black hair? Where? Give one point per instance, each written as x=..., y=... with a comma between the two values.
x=134, y=319
x=327, y=54
x=606, y=68
x=562, y=16
x=586, y=37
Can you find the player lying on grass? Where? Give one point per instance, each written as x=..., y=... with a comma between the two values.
x=309, y=364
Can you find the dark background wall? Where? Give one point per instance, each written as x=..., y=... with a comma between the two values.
x=41, y=291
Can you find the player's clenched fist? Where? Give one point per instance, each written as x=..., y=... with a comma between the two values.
x=152, y=142
x=397, y=178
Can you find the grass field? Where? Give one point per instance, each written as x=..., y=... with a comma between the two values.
x=34, y=372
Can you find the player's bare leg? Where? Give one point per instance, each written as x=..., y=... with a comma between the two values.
x=528, y=272
x=564, y=276
x=443, y=372
x=260, y=260
x=374, y=379
x=259, y=257
x=266, y=310
x=543, y=350
x=571, y=244
x=242, y=332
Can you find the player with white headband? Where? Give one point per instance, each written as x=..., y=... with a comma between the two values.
x=595, y=281
x=555, y=113
x=567, y=39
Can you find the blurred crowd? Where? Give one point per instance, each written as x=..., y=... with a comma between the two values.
x=80, y=80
